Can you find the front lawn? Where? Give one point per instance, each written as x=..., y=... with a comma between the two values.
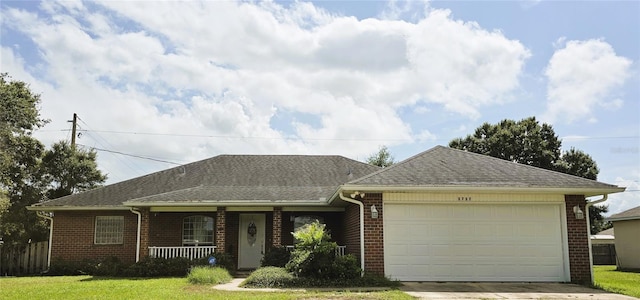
x=608, y=279
x=88, y=287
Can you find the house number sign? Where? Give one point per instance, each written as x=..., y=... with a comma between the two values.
x=464, y=199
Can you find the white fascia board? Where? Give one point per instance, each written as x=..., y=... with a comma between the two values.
x=623, y=219
x=588, y=192
x=62, y=208
x=227, y=203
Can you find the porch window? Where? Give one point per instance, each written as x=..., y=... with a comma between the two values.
x=109, y=230
x=197, y=230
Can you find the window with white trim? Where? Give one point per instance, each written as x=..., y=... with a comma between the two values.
x=197, y=230
x=109, y=230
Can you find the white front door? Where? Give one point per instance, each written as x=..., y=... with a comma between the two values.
x=251, y=240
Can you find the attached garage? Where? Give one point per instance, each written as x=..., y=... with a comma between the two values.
x=475, y=242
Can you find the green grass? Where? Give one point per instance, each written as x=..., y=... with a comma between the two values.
x=608, y=279
x=208, y=275
x=88, y=287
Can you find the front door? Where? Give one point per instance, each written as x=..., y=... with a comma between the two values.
x=251, y=240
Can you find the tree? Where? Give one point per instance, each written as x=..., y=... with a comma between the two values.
x=20, y=155
x=382, y=158
x=531, y=143
x=68, y=170
x=28, y=173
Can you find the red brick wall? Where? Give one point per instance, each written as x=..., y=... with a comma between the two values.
x=73, y=237
x=145, y=219
x=277, y=226
x=351, y=229
x=578, y=241
x=373, y=235
x=220, y=230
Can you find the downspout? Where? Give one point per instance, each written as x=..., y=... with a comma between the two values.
x=586, y=207
x=359, y=203
x=138, y=233
x=50, y=237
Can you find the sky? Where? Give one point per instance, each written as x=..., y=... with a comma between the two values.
x=160, y=83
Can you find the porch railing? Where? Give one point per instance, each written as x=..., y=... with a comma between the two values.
x=190, y=252
x=340, y=251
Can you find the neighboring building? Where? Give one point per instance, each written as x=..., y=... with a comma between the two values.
x=603, y=247
x=442, y=215
x=627, y=229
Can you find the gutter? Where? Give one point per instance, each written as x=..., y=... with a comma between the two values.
x=586, y=208
x=359, y=203
x=133, y=210
x=588, y=192
x=50, y=237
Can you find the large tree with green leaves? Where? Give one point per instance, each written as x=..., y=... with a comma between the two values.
x=29, y=173
x=531, y=143
x=382, y=158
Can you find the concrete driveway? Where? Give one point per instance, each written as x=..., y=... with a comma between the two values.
x=475, y=290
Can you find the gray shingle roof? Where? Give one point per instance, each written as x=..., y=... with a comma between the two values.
x=230, y=178
x=442, y=166
x=630, y=214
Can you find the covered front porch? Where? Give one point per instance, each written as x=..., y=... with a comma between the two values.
x=245, y=233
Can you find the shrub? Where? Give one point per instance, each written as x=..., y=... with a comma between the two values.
x=276, y=257
x=208, y=275
x=109, y=266
x=314, y=254
x=345, y=267
x=159, y=267
x=223, y=260
x=269, y=277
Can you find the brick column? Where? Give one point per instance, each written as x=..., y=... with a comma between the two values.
x=144, y=232
x=277, y=226
x=578, y=239
x=221, y=229
x=373, y=235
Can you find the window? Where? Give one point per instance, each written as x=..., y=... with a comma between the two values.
x=197, y=230
x=109, y=230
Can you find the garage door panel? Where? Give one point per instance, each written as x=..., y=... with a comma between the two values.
x=473, y=242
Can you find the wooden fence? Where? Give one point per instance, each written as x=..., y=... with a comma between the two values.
x=604, y=254
x=23, y=259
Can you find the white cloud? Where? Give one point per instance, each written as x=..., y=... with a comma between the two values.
x=222, y=69
x=581, y=75
x=628, y=199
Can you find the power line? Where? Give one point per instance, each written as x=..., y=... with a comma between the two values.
x=132, y=155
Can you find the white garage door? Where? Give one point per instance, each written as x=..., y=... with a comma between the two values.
x=467, y=242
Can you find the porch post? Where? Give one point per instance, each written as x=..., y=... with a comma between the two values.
x=144, y=232
x=277, y=226
x=221, y=229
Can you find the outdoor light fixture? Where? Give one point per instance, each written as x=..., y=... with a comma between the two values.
x=356, y=193
x=578, y=212
x=374, y=212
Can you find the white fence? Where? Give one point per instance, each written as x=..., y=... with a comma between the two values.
x=190, y=252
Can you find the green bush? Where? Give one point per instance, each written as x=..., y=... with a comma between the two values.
x=208, y=275
x=109, y=266
x=276, y=257
x=314, y=254
x=223, y=260
x=345, y=267
x=160, y=267
x=269, y=277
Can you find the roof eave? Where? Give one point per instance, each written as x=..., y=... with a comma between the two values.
x=623, y=219
x=228, y=203
x=70, y=207
x=588, y=192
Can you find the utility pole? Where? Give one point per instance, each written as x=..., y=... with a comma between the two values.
x=73, y=130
